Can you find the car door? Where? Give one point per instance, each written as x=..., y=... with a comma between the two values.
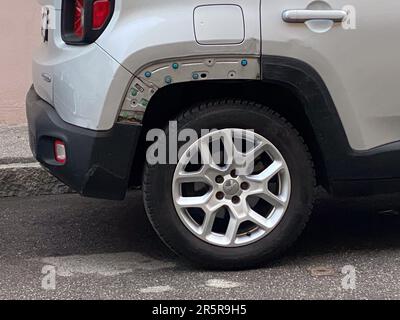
x=357, y=59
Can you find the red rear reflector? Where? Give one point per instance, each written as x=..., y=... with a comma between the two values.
x=60, y=153
x=101, y=12
x=79, y=18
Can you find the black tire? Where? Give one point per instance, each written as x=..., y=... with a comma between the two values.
x=245, y=115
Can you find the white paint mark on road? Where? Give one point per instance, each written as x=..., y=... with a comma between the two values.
x=222, y=284
x=159, y=289
x=107, y=265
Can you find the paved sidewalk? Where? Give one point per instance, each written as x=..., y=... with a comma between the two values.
x=14, y=145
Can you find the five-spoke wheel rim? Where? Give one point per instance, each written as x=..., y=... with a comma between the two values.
x=235, y=202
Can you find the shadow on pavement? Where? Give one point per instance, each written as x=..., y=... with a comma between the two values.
x=71, y=225
x=342, y=225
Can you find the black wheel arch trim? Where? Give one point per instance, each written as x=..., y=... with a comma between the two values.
x=349, y=171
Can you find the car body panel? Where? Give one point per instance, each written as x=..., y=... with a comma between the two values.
x=143, y=32
x=88, y=83
x=83, y=83
x=359, y=66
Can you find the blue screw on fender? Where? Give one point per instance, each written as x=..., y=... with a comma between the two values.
x=168, y=80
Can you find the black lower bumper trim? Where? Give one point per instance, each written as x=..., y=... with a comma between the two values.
x=98, y=163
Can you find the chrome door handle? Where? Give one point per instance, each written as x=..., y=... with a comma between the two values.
x=300, y=16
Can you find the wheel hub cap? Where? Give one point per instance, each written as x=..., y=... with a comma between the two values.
x=231, y=187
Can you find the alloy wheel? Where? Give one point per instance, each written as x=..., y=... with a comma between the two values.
x=231, y=187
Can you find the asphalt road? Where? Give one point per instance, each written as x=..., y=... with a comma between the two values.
x=107, y=250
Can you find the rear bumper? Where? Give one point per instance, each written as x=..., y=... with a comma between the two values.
x=98, y=162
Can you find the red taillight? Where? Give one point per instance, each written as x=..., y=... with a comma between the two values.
x=60, y=154
x=79, y=18
x=83, y=21
x=101, y=12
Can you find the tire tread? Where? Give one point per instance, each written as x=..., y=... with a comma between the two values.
x=193, y=113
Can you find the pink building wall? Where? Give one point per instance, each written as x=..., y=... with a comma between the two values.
x=19, y=34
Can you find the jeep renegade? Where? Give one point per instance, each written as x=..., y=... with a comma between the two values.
x=312, y=83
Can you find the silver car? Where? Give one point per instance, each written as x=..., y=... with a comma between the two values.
x=228, y=113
